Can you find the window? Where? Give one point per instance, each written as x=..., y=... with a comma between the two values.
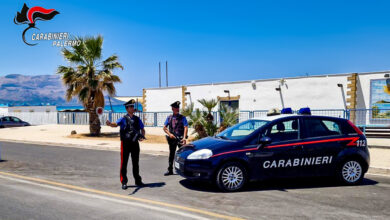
x=241, y=130
x=283, y=131
x=332, y=126
x=319, y=127
x=232, y=104
x=15, y=119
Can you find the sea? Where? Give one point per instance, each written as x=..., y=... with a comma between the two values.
x=115, y=108
x=383, y=107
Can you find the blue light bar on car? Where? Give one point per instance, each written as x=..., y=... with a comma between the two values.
x=304, y=111
x=286, y=111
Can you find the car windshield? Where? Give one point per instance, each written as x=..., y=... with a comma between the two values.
x=241, y=130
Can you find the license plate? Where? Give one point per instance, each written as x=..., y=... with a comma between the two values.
x=177, y=165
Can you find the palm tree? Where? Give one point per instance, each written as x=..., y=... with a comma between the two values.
x=209, y=105
x=229, y=117
x=196, y=120
x=88, y=77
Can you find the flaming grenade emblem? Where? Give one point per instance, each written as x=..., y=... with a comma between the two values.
x=31, y=15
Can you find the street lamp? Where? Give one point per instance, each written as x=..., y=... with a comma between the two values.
x=279, y=89
x=342, y=93
x=228, y=92
x=189, y=94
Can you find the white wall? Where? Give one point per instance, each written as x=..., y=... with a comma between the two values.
x=3, y=111
x=316, y=92
x=159, y=100
x=32, y=109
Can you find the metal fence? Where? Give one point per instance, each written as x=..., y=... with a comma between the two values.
x=370, y=117
x=150, y=119
x=36, y=118
x=361, y=117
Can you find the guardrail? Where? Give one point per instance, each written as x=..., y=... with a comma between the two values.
x=361, y=117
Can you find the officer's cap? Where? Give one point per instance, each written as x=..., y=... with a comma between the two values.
x=130, y=103
x=176, y=104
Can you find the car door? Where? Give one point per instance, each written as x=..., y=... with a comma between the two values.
x=322, y=140
x=7, y=122
x=278, y=158
x=16, y=122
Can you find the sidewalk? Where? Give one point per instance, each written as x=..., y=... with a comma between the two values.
x=379, y=143
x=57, y=135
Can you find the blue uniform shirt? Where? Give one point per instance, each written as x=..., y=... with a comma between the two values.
x=185, y=123
x=122, y=123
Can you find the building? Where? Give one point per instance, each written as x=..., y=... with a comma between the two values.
x=6, y=108
x=3, y=109
x=316, y=92
x=32, y=108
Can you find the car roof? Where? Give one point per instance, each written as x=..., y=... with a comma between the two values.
x=274, y=117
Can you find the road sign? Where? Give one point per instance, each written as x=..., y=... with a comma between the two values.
x=99, y=111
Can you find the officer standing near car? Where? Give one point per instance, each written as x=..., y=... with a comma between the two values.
x=176, y=128
x=131, y=131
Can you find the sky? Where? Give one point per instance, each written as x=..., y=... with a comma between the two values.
x=208, y=41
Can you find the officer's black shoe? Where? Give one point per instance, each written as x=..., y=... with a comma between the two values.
x=124, y=186
x=139, y=183
x=169, y=172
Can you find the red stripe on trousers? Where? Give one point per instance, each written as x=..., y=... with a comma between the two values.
x=120, y=171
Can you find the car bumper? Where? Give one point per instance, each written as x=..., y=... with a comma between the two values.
x=194, y=170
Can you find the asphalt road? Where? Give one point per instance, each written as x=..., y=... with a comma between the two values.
x=46, y=182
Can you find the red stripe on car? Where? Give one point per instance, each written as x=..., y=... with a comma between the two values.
x=351, y=143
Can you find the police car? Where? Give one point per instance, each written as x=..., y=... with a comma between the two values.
x=278, y=146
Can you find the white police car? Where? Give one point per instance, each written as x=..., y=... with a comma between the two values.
x=283, y=145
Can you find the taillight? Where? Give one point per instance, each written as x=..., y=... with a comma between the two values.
x=355, y=128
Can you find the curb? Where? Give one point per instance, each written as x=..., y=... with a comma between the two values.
x=79, y=146
x=379, y=147
x=379, y=170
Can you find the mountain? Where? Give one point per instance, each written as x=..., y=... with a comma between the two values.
x=16, y=89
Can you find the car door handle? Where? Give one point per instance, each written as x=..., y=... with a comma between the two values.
x=262, y=154
x=298, y=147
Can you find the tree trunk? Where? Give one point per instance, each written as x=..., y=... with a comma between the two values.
x=222, y=128
x=200, y=130
x=94, y=122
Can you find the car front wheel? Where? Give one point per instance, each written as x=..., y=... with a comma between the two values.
x=350, y=172
x=231, y=177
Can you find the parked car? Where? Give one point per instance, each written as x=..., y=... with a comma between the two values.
x=10, y=121
x=277, y=146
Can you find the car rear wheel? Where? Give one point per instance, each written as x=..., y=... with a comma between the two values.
x=231, y=177
x=350, y=172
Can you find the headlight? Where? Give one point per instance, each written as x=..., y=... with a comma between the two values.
x=200, y=155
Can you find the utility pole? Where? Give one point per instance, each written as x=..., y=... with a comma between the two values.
x=166, y=71
x=109, y=99
x=159, y=74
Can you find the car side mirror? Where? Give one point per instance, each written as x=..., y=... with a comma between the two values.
x=264, y=141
